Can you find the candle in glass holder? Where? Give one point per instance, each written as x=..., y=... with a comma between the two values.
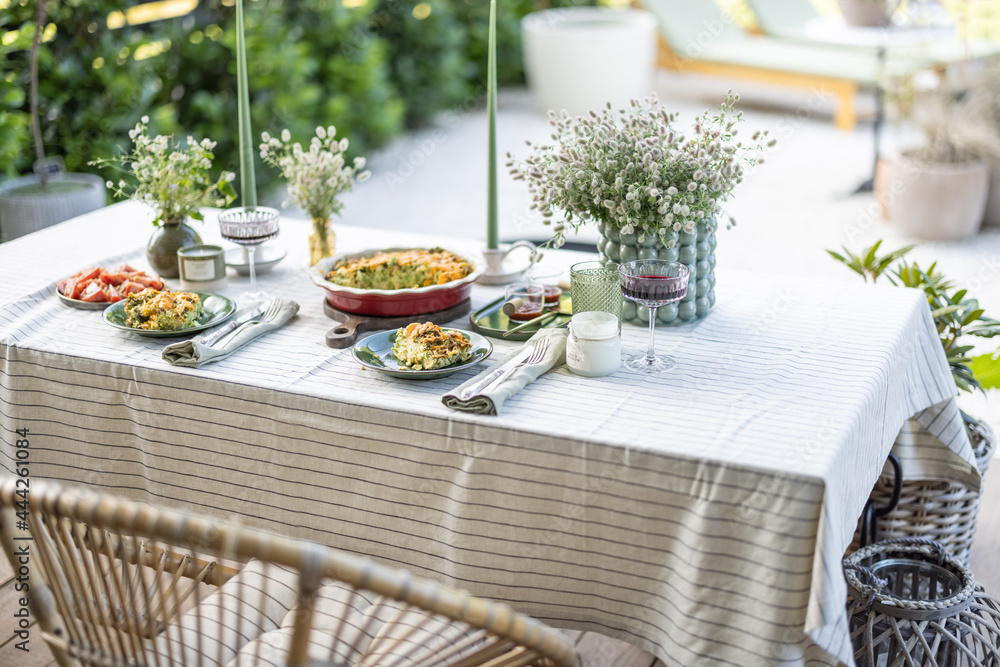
x=202, y=267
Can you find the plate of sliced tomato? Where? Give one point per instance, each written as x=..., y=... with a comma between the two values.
x=97, y=288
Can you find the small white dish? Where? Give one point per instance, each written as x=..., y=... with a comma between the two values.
x=265, y=259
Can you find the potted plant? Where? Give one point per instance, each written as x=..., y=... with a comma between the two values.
x=176, y=183
x=316, y=178
x=944, y=511
x=50, y=196
x=865, y=13
x=939, y=189
x=653, y=192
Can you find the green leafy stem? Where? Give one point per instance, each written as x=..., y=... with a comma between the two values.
x=957, y=316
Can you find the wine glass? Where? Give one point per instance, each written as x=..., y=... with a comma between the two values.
x=249, y=227
x=652, y=283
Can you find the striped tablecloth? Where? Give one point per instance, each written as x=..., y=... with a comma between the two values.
x=700, y=515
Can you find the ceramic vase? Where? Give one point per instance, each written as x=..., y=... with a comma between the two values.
x=696, y=250
x=322, y=241
x=167, y=239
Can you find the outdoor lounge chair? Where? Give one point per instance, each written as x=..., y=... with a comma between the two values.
x=114, y=582
x=699, y=37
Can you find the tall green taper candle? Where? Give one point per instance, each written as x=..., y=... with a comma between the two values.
x=248, y=183
x=492, y=233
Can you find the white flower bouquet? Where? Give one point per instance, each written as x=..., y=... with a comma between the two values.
x=634, y=170
x=315, y=177
x=175, y=183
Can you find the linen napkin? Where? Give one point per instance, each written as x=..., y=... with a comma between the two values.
x=489, y=403
x=193, y=353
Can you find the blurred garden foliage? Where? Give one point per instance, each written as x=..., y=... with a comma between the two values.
x=370, y=67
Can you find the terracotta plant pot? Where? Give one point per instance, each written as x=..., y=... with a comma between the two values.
x=938, y=202
x=864, y=13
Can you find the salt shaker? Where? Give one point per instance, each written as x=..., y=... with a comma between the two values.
x=594, y=346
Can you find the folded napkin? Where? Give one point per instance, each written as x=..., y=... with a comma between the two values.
x=489, y=403
x=193, y=353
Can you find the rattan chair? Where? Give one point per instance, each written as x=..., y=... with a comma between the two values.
x=116, y=583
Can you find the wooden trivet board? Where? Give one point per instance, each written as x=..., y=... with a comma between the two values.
x=351, y=325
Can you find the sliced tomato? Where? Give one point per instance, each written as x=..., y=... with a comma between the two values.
x=93, y=293
x=78, y=287
x=73, y=286
x=148, y=281
x=114, y=278
x=130, y=287
x=88, y=274
x=97, y=284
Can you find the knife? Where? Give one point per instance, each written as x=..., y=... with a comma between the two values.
x=482, y=384
x=217, y=335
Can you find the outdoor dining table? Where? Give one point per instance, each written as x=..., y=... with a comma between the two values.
x=700, y=514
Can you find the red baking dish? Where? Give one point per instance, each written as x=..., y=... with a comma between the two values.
x=395, y=303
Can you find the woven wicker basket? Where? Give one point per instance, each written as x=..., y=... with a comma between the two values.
x=912, y=603
x=941, y=511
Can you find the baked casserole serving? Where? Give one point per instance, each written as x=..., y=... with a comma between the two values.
x=401, y=269
x=162, y=310
x=427, y=346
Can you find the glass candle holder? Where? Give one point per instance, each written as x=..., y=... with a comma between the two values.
x=202, y=267
x=596, y=286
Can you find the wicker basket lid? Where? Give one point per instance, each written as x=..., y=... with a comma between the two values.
x=910, y=578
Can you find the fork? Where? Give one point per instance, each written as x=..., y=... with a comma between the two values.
x=537, y=354
x=269, y=314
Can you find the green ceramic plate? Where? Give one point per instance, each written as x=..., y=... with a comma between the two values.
x=375, y=352
x=215, y=310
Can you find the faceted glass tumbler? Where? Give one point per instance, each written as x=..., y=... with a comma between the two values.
x=596, y=286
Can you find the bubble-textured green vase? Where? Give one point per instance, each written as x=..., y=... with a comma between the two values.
x=696, y=250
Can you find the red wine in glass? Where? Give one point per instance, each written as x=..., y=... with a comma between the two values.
x=653, y=290
x=652, y=283
x=249, y=227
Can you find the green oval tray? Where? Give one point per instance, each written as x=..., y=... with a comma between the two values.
x=490, y=320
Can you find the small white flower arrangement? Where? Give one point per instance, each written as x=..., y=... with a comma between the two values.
x=175, y=183
x=632, y=169
x=318, y=176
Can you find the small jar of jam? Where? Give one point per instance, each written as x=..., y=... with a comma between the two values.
x=524, y=302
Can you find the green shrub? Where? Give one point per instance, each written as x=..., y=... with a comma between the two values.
x=14, y=128
x=305, y=68
x=426, y=54
x=474, y=15
x=86, y=110
x=370, y=70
